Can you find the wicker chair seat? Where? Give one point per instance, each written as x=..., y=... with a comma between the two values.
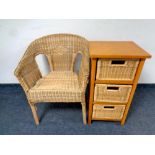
x=57, y=86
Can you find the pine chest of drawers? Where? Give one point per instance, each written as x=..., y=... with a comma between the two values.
x=115, y=69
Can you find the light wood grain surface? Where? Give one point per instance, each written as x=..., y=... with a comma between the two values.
x=116, y=49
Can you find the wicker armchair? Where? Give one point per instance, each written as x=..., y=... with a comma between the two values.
x=62, y=84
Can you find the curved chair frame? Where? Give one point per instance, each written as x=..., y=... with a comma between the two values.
x=61, y=51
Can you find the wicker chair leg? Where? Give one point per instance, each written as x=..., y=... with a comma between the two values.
x=34, y=112
x=84, y=112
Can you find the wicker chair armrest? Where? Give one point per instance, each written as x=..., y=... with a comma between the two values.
x=83, y=76
x=27, y=73
x=83, y=83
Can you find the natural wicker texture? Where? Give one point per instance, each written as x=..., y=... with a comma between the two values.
x=112, y=93
x=108, y=112
x=114, y=69
x=61, y=84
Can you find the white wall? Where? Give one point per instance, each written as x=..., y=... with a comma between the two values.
x=15, y=36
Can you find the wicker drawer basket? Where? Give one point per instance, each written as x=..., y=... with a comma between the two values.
x=108, y=112
x=112, y=93
x=114, y=69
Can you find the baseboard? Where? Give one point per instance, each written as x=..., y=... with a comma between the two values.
x=17, y=84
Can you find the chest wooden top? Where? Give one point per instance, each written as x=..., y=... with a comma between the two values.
x=116, y=49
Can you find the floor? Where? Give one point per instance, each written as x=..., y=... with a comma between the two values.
x=66, y=119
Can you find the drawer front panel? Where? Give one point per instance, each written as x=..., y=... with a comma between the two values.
x=109, y=112
x=112, y=93
x=116, y=69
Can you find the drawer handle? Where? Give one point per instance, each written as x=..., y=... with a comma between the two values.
x=118, y=62
x=112, y=88
x=109, y=107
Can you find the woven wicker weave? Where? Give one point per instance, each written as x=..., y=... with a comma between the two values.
x=113, y=69
x=110, y=112
x=112, y=93
x=61, y=84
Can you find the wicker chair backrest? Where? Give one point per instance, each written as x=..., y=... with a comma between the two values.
x=60, y=49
